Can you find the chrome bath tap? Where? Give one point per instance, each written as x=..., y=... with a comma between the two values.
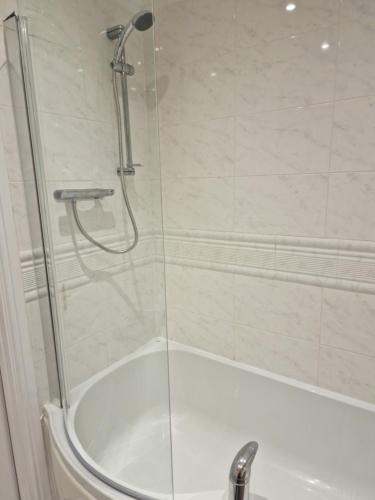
x=239, y=475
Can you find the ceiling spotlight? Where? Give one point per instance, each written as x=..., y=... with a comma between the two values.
x=290, y=7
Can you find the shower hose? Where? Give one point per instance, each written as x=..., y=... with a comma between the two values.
x=123, y=184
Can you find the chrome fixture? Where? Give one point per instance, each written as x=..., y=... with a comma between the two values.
x=142, y=21
x=239, y=475
x=82, y=194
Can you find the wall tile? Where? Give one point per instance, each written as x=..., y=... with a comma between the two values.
x=286, y=73
x=199, y=203
x=356, y=61
x=131, y=335
x=145, y=198
x=134, y=292
x=86, y=358
x=66, y=76
x=98, y=102
x=353, y=144
x=278, y=307
x=54, y=21
x=279, y=354
x=284, y=205
x=348, y=321
x=87, y=310
x=206, y=24
x=347, y=373
x=262, y=21
x=93, y=17
x=103, y=150
x=201, y=291
x=107, y=303
x=282, y=142
x=199, y=331
x=351, y=205
x=62, y=163
x=200, y=90
x=203, y=149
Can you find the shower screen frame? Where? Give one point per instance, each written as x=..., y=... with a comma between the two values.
x=19, y=24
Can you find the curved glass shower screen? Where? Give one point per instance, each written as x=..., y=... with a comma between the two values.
x=92, y=115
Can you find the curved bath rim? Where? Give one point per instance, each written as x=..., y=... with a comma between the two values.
x=66, y=471
x=158, y=345
x=98, y=472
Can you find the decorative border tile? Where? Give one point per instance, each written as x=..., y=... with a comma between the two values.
x=340, y=264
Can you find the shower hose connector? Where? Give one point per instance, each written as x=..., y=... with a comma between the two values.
x=123, y=68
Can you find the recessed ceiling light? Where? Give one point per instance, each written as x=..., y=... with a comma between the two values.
x=290, y=7
x=325, y=46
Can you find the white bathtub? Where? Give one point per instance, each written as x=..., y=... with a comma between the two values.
x=314, y=444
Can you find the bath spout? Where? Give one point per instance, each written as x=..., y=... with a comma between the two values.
x=239, y=475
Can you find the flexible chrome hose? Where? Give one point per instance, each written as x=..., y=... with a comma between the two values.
x=123, y=184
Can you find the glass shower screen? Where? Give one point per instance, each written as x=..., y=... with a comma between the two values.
x=88, y=71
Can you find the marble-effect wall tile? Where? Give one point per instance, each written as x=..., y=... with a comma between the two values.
x=206, y=24
x=201, y=291
x=282, y=142
x=351, y=205
x=283, y=355
x=291, y=72
x=198, y=90
x=202, y=332
x=353, y=143
x=67, y=76
x=278, y=307
x=347, y=373
x=286, y=205
x=348, y=321
x=356, y=60
x=203, y=149
x=261, y=21
x=199, y=203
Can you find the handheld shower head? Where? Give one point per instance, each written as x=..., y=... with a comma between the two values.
x=141, y=21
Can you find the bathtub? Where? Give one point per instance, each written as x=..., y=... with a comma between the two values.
x=313, y=444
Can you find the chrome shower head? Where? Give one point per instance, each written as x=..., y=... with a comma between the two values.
x=141, y=21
